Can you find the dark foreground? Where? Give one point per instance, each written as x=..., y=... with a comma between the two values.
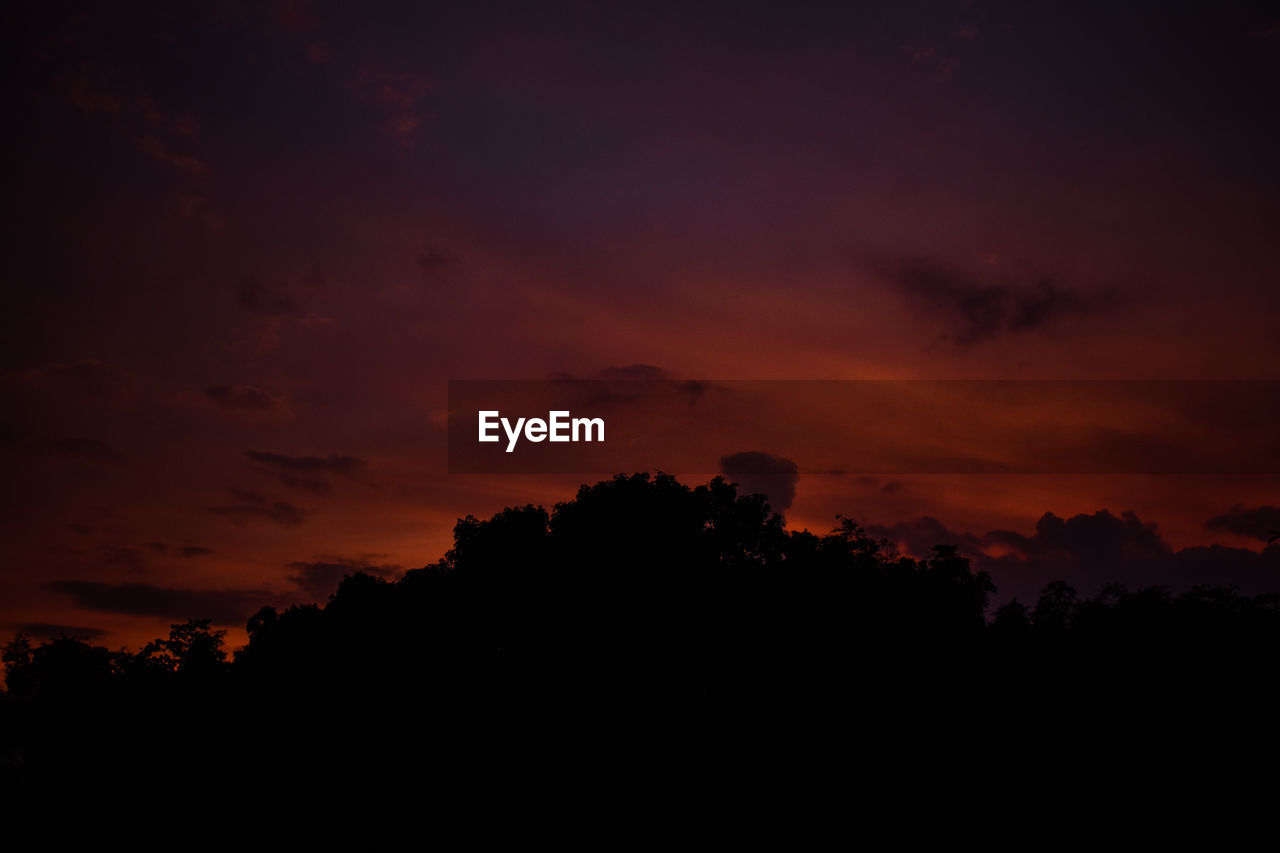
x=649, y=638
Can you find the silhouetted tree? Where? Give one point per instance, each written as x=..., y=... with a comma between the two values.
x=193, y=649
x=646, y=632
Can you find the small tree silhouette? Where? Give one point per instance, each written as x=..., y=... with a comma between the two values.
x=193, y=648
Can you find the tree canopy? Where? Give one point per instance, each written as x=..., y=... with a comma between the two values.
x=643, y=630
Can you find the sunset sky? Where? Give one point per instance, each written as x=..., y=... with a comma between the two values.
x=252, y=242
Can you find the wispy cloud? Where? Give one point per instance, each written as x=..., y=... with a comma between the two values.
x=245, y=399
x=982, y=308
x=224, y=606
x=309, y=473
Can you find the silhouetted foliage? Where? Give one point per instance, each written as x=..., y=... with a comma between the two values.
x=644, y=632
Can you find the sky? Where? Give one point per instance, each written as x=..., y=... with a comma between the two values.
x=250, y=244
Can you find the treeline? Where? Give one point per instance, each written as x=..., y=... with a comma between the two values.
x=648, y=631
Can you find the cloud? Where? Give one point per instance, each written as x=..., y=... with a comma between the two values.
x=980, y=310
x=315, y=485
x=399, y=94
x=244, y=398
x=434, y=259
x=194, y=551
x=889, y=488
x=1099, y=537
x=224, y=606
x=635, y=371
x=307, y=472
x=52, y=631
x=319, y=579
x=918, y=537
x=161, y=151
x=1091, y=550
x=281, y=513
x=1260, y=522
x=757, y=472
x=345, y=465
x=1088, y=551
x=126, y=105
x=130, y=558
x=268, y=299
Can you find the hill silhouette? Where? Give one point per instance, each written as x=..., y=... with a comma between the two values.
x=649, y=633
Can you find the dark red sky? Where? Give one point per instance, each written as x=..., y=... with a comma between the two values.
x=250, y=243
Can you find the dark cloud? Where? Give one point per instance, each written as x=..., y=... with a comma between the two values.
x=332, y=464
x=635, y=371
x=434, y=259
x=757, y=472
x=1260, y=522
x=194, y=551
x=272, y=300
x=1098, y=537
x=693, y=389
x=918, y=537
x=52, y=631
x=315, y=485
x=249, y=496
x=243, y=398
x=130, y=558
x=224, y=606
x=284, y=514
x=307, y=473
x=981, y=310
x=157, y=547
x=319, y=579
x=82, y=529
x=78, y=449
x=1088, y=551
